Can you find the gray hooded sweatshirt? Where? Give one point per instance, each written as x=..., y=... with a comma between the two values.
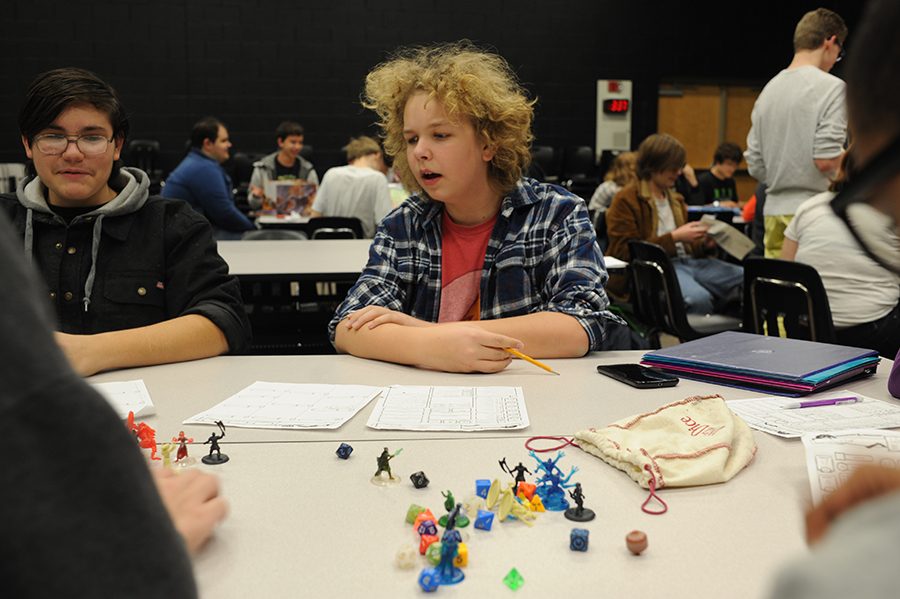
x=134, y=185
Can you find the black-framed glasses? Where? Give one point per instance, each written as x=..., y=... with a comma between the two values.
x=54, y=144
x=841, y=52
x=867, y=209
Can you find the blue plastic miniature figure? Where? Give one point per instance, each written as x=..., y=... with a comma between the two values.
x=447, y=571
x=551, y=487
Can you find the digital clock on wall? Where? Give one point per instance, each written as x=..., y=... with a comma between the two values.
x=616, y=106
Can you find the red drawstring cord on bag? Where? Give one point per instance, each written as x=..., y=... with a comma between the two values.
x=653, y=495
x=564, y=440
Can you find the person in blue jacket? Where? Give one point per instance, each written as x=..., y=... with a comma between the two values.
x=201, y=181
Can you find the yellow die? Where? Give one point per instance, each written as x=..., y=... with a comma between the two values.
x=462, y=556
x=536, y=503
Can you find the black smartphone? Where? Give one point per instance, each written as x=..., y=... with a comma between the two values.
x=642, y=377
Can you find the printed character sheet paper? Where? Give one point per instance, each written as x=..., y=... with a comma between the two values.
x=421, y=408
x=289, y=405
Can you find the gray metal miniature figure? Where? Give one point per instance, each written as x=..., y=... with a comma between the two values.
x=518, y=473
x=579, y=513
x=213, y=442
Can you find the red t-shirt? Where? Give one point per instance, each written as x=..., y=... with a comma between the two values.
x=462, y=256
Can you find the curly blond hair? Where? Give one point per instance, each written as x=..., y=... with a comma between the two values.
x=471, y=84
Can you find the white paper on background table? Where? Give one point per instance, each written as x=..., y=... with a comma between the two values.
x=289, y=405
x=832, y=457
x=423, y=408
x=766, y=414
x=127, y=396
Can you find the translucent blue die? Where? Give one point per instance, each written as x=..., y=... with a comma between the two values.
x=484, y=520
x=482, y=486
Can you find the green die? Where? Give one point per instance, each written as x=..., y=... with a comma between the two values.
x=433, y=553
x=513, y=580
x=413, y=511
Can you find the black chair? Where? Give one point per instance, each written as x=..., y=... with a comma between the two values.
x=270, y=234
x=578, y=161
x=599, y=221
x=657, y=300
x=579, y=171
x=789, y=297
x=241, y=168
x=544, y=163
x=144, y=154
x=335, y=227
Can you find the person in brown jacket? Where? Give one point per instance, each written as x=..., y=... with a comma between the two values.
x=652, y=211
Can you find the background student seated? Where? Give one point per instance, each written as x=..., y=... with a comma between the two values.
x=135, y=280
x=201, y=181
x=478, y=259
x=622, y=172
x=650, y=210
x=282, y=165
x=359, y=189
x=862, y=294
x=717, y=185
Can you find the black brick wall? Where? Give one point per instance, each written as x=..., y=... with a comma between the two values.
x=254, y=63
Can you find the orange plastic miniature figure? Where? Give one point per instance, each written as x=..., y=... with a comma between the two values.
x=145, y=435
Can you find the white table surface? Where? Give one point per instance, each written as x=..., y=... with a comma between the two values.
x=304, y=523
x=613, y=263
x=289, y=257
x=557, y=405
x=315, y=257
x=293, y=218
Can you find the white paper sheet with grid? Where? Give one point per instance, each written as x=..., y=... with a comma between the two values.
x=422, y=408
x=127, y=396
x=289, y=405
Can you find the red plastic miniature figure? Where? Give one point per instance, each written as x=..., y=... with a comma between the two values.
x=145, y=435
x=182, y=445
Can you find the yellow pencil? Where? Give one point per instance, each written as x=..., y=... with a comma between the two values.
x=522, y=356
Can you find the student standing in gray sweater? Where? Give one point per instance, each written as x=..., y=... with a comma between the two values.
x=799, y=124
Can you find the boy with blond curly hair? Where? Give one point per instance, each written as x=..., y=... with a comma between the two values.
x=479, y=258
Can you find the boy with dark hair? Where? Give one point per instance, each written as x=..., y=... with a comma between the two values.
x=799, y=124
x=651, y=210
x=201, y=181
x=717, y=185
x=285, y=164
x=358, y=189
x=479, y=258
x=135, y=280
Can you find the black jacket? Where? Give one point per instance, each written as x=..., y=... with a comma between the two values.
x=149, y=265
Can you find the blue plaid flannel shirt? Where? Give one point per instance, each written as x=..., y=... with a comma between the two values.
x=542, y=256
